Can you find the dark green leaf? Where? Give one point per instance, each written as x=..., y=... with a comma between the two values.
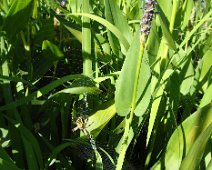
x=17, y=17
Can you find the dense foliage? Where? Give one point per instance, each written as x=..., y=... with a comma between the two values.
x=108, y=84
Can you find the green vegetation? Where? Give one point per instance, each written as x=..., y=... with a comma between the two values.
x=78, y=72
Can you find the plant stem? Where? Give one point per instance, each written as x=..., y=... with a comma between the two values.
x=128, y=120
x=86, y=41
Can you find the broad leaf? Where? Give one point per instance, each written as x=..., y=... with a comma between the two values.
x=127, y=80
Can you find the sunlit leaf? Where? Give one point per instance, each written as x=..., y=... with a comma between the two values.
x=185, y=136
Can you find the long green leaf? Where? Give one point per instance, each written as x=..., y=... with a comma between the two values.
x=127, y=81
x=115, y=16
x=144, y=87
x=184, y=137
x=193, y=158
x=30, y=155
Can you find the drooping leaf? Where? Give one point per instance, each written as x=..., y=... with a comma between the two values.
x=108, y=25
x=30, y=155
x=156, y=103
x=80, y=90
x=115, y=16
x=32, y=148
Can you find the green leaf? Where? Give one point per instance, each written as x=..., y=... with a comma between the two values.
x=165, y=6
x=144, y=87
x=5, y=164
x=32, y=148
x=209, y=167
x=206, y=99
x=187, y=13
x=49, y=46
x=185, y=135
x=17, y=17
x=115, y=16
x=81, y=86
x=195, y=29
x=108, y=25
x=49, y=56
x=166, y=33
x=206, y=70
x=30, y=155
x=80, y=90
x=187, y=74
x=4, y=155
x=101, y=117
x=77, y=34
x=156, y=102
x=14, y=79
x=194, y=156
x=127, y=79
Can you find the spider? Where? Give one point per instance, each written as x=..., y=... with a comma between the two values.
x=81, y=123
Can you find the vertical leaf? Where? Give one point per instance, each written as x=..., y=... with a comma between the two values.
x=144, y=87
x=187, y=75
x=126, y=82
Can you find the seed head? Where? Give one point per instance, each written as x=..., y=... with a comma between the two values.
x=147, y=17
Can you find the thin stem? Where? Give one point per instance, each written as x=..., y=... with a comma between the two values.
x=128, y=120
x=86, y=41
